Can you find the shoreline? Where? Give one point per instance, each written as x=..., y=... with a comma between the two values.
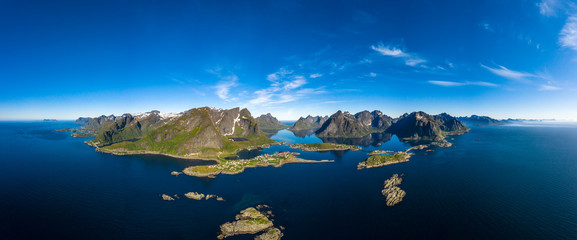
x=217, y=159
x=192, y=171
x=128, y=153
x=197, y=174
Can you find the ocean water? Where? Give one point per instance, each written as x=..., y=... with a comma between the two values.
x=498, y=182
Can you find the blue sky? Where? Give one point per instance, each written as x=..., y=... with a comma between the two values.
x=502, y=58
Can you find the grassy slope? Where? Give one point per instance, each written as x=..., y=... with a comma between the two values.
x=180, y=136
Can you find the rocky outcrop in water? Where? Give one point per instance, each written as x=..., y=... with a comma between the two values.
x=201, y=196
x=393, y=194
x=167, y=198
x=251, y=221
x=270, y=234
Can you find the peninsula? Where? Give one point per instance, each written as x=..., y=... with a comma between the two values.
x=238, y=166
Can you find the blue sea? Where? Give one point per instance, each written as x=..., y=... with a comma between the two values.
x=497, y=182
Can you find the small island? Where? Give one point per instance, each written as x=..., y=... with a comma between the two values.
x=251, y=221
x=324, y=147
x=238, y=166
x=380, y=158
x=167, y=198
x=393, y=193
x=201, y=196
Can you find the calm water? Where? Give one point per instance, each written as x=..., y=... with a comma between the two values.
x=502, y=182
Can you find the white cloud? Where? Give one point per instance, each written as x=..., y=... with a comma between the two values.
x=486, y=26
x=224, y=86
x=457, y=84
x=315, y=75
x=414, y=61
x=285, y=87
x=372, y=74
x=311, y=91
x=297, y=82
x=548, y=7
x=446, y=83
x=548, y=88
x=410, y=59
x=282, y=73
x=365, y=60
x=388, y=51
x=568, y=35
x=510, y=74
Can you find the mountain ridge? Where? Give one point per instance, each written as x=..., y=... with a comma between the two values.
x=199, y=132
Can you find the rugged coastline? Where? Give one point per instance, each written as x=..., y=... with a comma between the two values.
x=238, y=166
x=383, y=158
x=252, y=221
x=393, y=194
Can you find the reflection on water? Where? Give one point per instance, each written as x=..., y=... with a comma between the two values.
x=308, y=136
x=374, y=139
x=292, y=138
x=246, y=154
x=304, y=133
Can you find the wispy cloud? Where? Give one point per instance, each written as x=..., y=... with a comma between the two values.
x=458, y=84
x=371, y=74
x=486, y=26
x=549, y=7
x=282, y=73
x=315, y=75
x=224, y=86
x=285, y=87
x=510, y=74
x=363, y=17
x=391, y=51
x=548, y=88
x=332, y=102
x=227, y=81
x=414, y=61
x=542, y=81
x=568, y=35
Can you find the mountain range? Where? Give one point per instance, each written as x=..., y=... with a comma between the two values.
x=214, y=133
x=417, y=126
x=201, y=132
x=481, y=121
